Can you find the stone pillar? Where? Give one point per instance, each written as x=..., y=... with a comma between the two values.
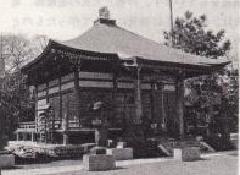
x=137, y=89
x=179, y=89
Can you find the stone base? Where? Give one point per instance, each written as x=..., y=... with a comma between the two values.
x=98, y=162
x=7, y=160
x=186, y=154
x=121, y=153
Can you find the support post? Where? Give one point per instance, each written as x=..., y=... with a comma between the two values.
x=179, y=89
x=97, y=137
x=65, y=138
x=47, y=92
x=77, y=93
x=24, y=136
x=36, y=106
x=114, y=93
x=32, y=137
x=138, y=100
x=17, y=134
x=101, y=136
x=60, y=97
x=153, y=101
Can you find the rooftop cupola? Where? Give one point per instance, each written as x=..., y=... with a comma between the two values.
x=104, y=17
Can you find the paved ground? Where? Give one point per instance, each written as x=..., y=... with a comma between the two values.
x=225, y=163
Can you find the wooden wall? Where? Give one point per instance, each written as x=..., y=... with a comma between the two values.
x=95, y=86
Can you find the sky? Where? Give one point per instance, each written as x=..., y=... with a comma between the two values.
x=65, y=19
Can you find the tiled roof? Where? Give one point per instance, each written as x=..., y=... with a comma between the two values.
x=105, y=38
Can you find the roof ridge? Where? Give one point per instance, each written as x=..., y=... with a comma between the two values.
x=139, y=35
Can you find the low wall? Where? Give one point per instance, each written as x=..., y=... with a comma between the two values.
x=121, y=153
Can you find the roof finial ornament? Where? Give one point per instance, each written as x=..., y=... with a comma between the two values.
x=104, y=17
x=104, y=13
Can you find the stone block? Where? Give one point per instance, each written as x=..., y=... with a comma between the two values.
x=7, y=160
x=121, y=153
x=98, y=162
x=187, y=153
x=121, y=144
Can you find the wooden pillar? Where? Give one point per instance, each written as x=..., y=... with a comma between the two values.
x=114, y=94
x=36, y=106
x=60, y=97
x=152, y=101
x=24, y=136
x=47, y=92
x=97, y=136
x=163, y=112
x=179, y=89
x=65, y=117
x=17, y=135
x=65, y=138
x=101, y=136
x=77, y=93
x=32, y=136
x=47, y=117
x=138, y=100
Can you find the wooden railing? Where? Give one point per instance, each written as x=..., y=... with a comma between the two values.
x=26, y=126
x=60, y=125
x=30, y=124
